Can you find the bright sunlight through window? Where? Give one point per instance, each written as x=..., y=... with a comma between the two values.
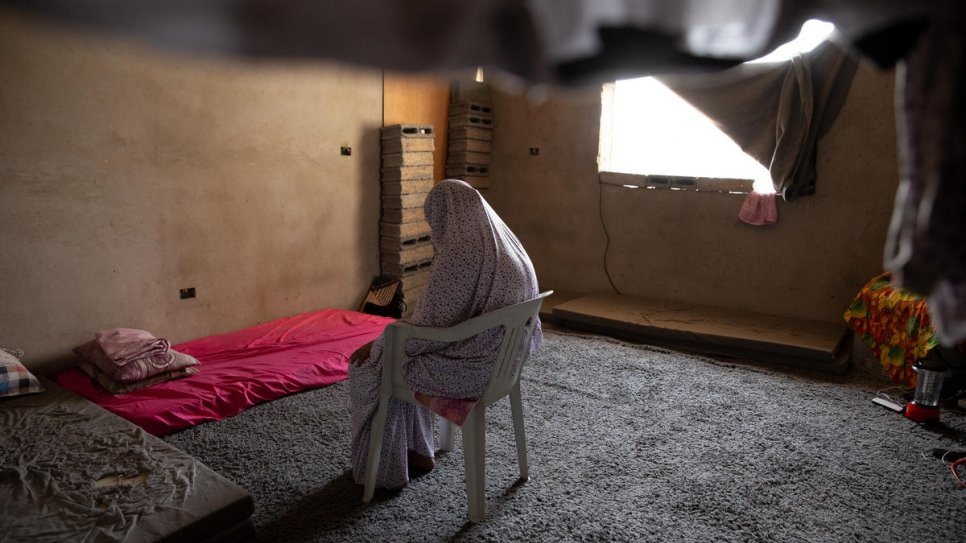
x=649, y=130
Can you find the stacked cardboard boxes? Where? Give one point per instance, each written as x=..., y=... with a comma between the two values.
x=470, y=135
x=405, y=247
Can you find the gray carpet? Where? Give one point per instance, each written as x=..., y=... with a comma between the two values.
x=627, y=443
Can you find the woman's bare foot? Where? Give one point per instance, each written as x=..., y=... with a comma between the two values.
x=421, y=462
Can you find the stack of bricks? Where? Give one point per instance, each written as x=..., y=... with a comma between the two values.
x=470, y=135
x=405, y=247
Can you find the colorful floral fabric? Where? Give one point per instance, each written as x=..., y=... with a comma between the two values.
x=894, y=324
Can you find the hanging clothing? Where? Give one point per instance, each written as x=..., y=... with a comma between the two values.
x=480, y=266
x=926, y=243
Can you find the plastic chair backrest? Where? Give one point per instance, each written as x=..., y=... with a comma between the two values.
x=514, y=350
x=517, y=320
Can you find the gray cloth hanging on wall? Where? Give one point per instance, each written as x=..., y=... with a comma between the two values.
x=776, y=112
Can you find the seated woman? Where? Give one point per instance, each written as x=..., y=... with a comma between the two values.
x=480, y=266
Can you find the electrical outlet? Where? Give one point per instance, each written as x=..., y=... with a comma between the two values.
x=346, y=150
x=187, y=293
x=534, y=151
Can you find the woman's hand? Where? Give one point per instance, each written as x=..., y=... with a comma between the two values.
x=360, y=355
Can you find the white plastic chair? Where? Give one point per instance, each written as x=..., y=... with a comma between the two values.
x=518, y=323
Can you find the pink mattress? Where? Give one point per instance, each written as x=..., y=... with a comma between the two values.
x=241, y=369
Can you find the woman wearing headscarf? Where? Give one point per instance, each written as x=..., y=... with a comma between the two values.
x=480, y=266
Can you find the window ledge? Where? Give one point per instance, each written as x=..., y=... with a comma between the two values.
x=671, y=182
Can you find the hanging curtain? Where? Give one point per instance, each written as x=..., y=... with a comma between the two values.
x=776, y=112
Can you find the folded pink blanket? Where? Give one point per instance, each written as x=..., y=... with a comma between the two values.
x=135, y=370
x=124, y=345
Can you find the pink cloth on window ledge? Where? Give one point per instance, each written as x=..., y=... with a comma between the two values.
x=759, y=209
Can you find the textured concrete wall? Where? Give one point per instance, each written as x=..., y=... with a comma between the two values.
x=127, y=174
x=689, y=246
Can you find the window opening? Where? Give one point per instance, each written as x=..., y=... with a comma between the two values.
x=648, y=130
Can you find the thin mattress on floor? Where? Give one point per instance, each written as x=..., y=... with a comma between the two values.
x=241, y=369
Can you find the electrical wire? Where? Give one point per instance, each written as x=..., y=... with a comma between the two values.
x=898, y=401
x=952, y=459
x=603, y=225
x=954, y=467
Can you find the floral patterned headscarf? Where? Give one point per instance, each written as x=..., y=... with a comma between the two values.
x=480, y=265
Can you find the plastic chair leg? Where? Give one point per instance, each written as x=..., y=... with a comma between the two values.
x=516, y=409
x=447, y=435
x=474, y=461
x=376, y=430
